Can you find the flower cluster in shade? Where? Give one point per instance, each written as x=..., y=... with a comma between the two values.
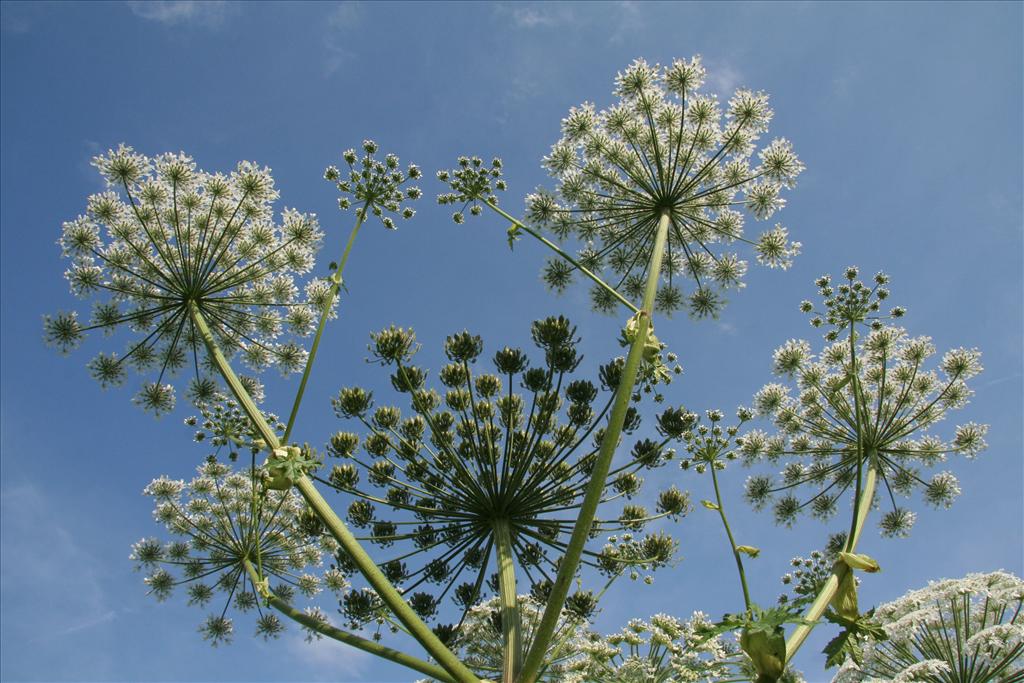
x=666, y=148
x=222, y=424
x=866, y=399
x=969, y=630
x=663, y=648
x=167, y=236
x=216, y=522
x=809, y=574
x=481, y=646
x=513, y=447
x=375, y=187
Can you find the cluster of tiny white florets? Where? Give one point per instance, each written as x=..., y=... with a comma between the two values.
x=969, y=630
x=375, y=186
x=666, y=149
x=221, y=519
x=167, y=237
x=864, y=399
x=480, y=644
x=661, y=649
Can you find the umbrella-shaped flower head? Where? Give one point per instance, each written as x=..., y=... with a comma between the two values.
x=492, y=459
x=667, y=149
x=869, y=397
x=226, y=528
x=168, y=242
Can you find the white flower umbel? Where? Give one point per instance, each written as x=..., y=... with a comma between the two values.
x=857, y=422
x=866, y=398
x=967, y=630
x=666, y=149
x=169, y=242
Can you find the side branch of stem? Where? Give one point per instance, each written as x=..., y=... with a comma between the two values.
x=347, y=638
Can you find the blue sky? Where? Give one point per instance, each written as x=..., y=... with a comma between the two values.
x=908, y=117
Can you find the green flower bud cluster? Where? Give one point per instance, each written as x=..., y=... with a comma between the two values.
x=473, y=183
x=514, y=446
x=375, y=185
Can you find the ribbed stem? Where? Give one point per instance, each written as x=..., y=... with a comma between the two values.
x=581, y=530
x=387, y=592
x=335, y=286
x=355, y=641
x=511, y=627
x=828, y=591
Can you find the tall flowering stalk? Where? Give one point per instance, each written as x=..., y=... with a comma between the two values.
x=647, y=185
x=858, y=422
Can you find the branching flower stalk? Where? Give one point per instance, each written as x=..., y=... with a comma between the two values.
x=377, y=186
x=647, y=185
x=191, y=261
x=862, y=405
x=708, y=448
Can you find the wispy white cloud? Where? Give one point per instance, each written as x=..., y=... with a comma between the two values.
x=340, y=21
x=328, y=659
x=537, y=15
x=628, y=19
x=44, y=564
x=845, y=81
x=723, y=78
x=208, y=14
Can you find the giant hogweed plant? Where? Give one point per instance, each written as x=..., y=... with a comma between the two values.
x=490, y=480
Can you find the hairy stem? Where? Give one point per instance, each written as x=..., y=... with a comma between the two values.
x=355, y=641
x=581, y=531
x=828, y=591
x=335, y=287
x=511, y=628
x=558, y=250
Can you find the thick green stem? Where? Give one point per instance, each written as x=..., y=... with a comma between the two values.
x=584, y=523
x=355, y=641
x=511, y=627
x=732, y=541
x=839, y=570
x=335, y=286
x=248, y=405
x=387, y=592
x=558, y=250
